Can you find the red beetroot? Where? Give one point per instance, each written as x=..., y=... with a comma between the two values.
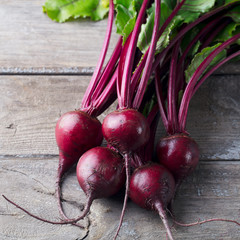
x=179, y=153
x=152, y=187
x=100, y=173
x=76, y=132
x=126, y=130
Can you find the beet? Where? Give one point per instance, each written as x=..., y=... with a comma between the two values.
x=126, y=130
x=179, y=153
x=152, y=187
x=76, y=132
x=100, y=173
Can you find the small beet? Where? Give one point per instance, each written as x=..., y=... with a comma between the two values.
x=76, y=132
x=126, y=130
x=152, y=187
x=100, y=173
x=179, y=153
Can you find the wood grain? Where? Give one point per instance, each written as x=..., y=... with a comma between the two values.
x=212, y=191
x=30, y=107
x=32, y=43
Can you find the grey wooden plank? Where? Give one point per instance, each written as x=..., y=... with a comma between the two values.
x=213, y=118
x=30, y=43
x=212, y=191
x=31, y=105
x=30, y=108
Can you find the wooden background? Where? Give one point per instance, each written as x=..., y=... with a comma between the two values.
x=45, y=68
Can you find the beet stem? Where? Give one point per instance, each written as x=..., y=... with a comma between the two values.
x=137, y=74
x=160, y=98
x=127, y=167
x=148, y=66
x=129, y=58
x=160, y=56
x=108, y=70
x=170, y=17
x=100, y=103
x=172, y=111
x=207, y=28
x=195, y=77
x=211, y=35
x=162, y=213
x=95, y=78
x=201, y=81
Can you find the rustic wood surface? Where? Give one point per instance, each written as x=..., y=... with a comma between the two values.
x=45, y=68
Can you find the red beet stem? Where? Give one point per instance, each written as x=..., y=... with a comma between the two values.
x=160, y=98
x=129, y=58
x=150, y=56
x=172, y=111
x=201, y=81
x=88, y=94
x=182, y=116
x=188, y=27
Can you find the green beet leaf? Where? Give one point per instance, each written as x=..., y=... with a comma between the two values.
x=192, y=9
x=200, y=57
x=234, y=14
x=126, y=16
x=147, y=29
x=63, y=10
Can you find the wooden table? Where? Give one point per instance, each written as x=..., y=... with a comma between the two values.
x=44, y=70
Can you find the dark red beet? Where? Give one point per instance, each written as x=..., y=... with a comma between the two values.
x=76, y=132
x=152, y=187
x=126, y=130
x=179, y=153
x=100, y=173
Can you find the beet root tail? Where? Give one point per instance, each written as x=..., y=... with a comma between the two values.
x=127, y=167
x=162, y=213
x=59, y=202
x=62, y=222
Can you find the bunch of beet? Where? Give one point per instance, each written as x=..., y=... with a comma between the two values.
x=147, y=87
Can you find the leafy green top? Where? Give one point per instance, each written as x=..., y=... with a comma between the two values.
x=63, y=10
